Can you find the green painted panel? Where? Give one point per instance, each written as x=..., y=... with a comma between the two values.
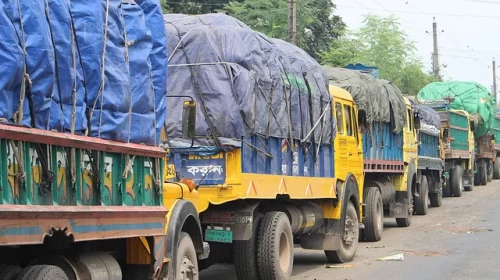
x=461, y=136
x=79, y=177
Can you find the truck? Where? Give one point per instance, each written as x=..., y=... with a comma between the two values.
x=262, y=159
x=74, y=206
x=389, y=149
x=83, y=192
x=457, y=132
x=430, y=161
x=479, y=103
x=496, y=135
x=485, y=156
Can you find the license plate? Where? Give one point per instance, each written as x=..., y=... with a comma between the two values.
x=217, y=235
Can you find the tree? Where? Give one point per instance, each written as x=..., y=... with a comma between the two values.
x=193, y=7
x=382, y=43
x=271, y=17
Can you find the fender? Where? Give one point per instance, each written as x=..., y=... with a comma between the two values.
x=351, y=189
x=412, y=170
x=182, y=213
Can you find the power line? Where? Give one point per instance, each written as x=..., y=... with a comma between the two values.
x=424, y=13
x=380, y=5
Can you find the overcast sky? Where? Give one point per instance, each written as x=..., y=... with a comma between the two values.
x=468, y=38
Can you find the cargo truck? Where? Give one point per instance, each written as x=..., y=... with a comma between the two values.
x=457, y=132
x=262, y=159
x=390, y=166
x=389, y=148
x=75, y=206
x=430, y=163
x=496, y=138
x=485, y=155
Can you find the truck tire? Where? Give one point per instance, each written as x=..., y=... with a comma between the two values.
x=275, y=247
x=349, y=244
x=406, y=222
x=9, y=272
x=187, y=260
x=42, y=272
x=422, y=201
x=496, y=169
x=483, y=173
x=489, y=168
x=245, y=253
x=456, y=180
x=374, y=215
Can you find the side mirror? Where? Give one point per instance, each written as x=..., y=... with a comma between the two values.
x=189, y=119
x=417, y=122
x=472, y=125
x=446, y=133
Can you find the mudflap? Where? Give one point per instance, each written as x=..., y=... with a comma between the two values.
x=235, y=218
x=468, y=178
x=399, y=209
x=327, y=239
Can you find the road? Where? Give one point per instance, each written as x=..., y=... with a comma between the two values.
x=457, y=241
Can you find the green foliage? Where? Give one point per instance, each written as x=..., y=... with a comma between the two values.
x=382, y=43
x=271, y=17
x=193, y=7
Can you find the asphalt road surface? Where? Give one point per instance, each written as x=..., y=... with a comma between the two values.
x=459, y=240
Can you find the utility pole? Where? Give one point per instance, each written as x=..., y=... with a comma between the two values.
x=292, y=22
x=494, y=79
x=435, y=60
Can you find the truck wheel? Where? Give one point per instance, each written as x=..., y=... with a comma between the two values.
x=42, y=272
x=456, y=180
x=422, y=201
x=275, y=247
x=245, y=254
x=496, y=169
x=436, y=198
x=9, y=272
x=490, y=170
x=187, y=260
x=349, y=244
x=374, y=215
x=483, y=174
x=406, y=222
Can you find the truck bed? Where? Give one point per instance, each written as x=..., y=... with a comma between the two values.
x=429, y=157
x=86, y=187
x=382, y=149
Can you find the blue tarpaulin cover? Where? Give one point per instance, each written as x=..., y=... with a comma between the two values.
x=12, y=68
x=84, y=73
x=244, y=83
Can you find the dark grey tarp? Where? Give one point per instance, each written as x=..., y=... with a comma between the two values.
x=426, y=114
x=379, y=99
x=244, y=84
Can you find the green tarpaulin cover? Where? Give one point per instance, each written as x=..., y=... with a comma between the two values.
x=469, y=96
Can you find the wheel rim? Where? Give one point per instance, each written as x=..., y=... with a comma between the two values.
x=188, y=269
x=380, y=217
x=349, y=232
x=284, y=252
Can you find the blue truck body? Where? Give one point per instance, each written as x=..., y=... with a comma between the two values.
x=380, y=143
x=272, y=156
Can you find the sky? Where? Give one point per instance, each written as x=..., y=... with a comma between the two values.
x=468, y=32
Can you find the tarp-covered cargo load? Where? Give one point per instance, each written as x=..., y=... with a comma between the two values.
x=245, y=84
x=381, y=100
x=469, y=96
x=430, y=120
x=88, y=67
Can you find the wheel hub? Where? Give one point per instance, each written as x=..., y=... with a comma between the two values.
x=349, y=232
x=284, y=252
x=188, y=270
